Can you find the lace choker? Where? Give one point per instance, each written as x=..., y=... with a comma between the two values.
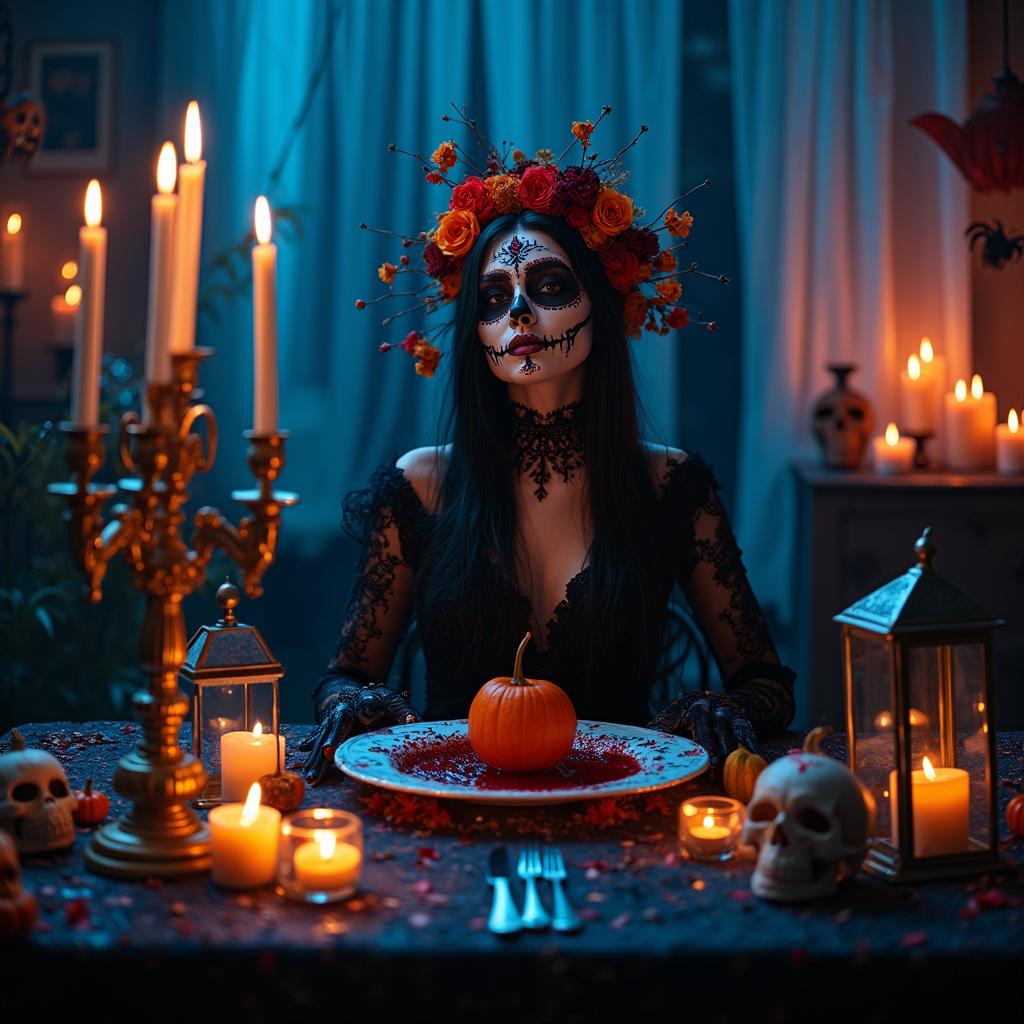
x=545, y=443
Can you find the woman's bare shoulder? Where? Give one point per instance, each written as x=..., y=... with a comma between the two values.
x=423, y=468
x=661, y=459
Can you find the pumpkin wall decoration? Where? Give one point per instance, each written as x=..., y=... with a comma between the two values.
x=18, y=908
x=1015, y=815
x=519, y=724
x=93, y=806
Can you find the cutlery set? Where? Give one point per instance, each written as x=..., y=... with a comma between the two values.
x=533, y=864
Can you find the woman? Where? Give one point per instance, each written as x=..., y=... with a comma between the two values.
x=546, y=512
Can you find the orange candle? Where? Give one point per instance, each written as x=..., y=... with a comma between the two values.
x=893, y=454
x=970, y=423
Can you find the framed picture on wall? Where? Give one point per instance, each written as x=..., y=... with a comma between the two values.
x=75, y=81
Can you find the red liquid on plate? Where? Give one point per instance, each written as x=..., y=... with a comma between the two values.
x=594, y=759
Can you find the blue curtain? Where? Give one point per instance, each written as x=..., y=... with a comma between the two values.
x=525, y=70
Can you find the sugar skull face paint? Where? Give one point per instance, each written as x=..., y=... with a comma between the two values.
x=534, y=318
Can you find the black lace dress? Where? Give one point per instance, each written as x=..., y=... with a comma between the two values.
x=390, y=521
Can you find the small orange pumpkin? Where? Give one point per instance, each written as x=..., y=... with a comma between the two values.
x=93, y=806
x=740, y=772
x=1015, y=815
x=519, y=724
x=18, y=907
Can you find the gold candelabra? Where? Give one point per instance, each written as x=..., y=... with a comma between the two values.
x=161, y=835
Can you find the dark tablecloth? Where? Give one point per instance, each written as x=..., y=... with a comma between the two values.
x=662, y=935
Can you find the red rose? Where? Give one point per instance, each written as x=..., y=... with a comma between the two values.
x=679, y=317
x=577, y=217
x=620, y=265
x=435, y=261
x=473, y=195
x=537, y=188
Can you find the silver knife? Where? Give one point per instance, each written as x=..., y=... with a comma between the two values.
x=504, y=919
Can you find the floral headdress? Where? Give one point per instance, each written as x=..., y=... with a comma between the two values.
x=586, y=195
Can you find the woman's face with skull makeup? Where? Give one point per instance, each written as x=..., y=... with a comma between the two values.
x=534, y=318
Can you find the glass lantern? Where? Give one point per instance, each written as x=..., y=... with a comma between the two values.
x=233, y=679
x=918, y=680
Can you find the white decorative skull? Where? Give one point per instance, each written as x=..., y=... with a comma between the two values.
x=810, y=818
x=36, y=802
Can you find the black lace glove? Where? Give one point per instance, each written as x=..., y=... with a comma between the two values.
x=371, y=706
x=714, y=720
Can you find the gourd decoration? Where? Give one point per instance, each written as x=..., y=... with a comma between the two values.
x=93, y=805
x=519, y=724
x=1015, y=815
x=282, y=790
x=740, y=772
x=812, y=742
x=18, y=908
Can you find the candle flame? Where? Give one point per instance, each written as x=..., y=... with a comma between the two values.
x=69, y=271
x=892, y=435
x=327, y=844
x=193, y=134
x=1012, y=422
x=927, y=352
x=709, y=820
x=166, y=169
x=977, y=388
x=251, y=809
x=321, y=813
x=913, y=367
x=960, y=390
x=93, y=204
x=257, y=729
x=73, y=296
x=929, y=771
x=14, y=223
x=689, y=810
x=262, y=220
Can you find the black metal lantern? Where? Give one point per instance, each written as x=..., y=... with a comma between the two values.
x=234, y=682
x=918, y=679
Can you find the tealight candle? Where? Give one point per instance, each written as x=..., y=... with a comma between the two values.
x=941, y=800
x=245, y=756
x=1010, y=445
x=321, y=855
x=12, y=255
x=710, y=826
x=893, y=454
x=243, y=839
x=970, y=423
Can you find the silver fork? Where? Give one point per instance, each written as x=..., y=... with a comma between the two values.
x=529, y=870
x=564, y=919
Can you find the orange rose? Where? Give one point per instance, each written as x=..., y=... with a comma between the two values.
x=613, y=211
x=634, y=310
x=457, y=232
x=679, y=224
x=504, y=190
x=669, y=290
x=386, y=272
x=593, y=236
x=444, y=156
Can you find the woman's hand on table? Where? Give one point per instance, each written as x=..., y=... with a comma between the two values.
x=372, y=707
x=712, y=719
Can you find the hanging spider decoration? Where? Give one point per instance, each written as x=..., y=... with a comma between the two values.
x=22, y=117
x=999, y=249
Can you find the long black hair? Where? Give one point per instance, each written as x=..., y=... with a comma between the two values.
x=474, y=546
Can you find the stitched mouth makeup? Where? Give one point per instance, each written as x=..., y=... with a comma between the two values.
x=526, y=345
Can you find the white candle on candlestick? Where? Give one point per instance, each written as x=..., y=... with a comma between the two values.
x=161, y=270
x=933, y=369
x=970, y=426
x=1010, y=445
x=917, y=399
x=92, y=276
x=264, y=303
x=12, y=255
x=893, y=454
x=64, y=310
x=188, y=235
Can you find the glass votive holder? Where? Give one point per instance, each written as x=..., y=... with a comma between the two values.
x=710, y=826
x=320, y=855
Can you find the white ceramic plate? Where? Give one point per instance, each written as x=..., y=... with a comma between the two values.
x=435, y=759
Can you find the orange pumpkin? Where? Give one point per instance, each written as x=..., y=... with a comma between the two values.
x=93, y=806
x=1015, y=815
x=519, y=724
x=740, y=772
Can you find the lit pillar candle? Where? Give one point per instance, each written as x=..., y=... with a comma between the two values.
x=264, y=319
x=933, y=369
x=92, y=277
x=12, y=255
x=161, y=270
x=244, y=757
x=64, y=310
x=325, y=864
x=243, y=840
x=917, y=399
x=188, y=235
x=941, y=801
x=970, y=421
x=893, y=454
x=1010, y=445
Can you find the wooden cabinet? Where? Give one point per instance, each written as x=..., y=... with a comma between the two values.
x=856, y=531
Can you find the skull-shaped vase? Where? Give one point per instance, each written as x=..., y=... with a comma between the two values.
x=22, y=125
x=36, y=802
x=842, y=420
x=810, y=818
